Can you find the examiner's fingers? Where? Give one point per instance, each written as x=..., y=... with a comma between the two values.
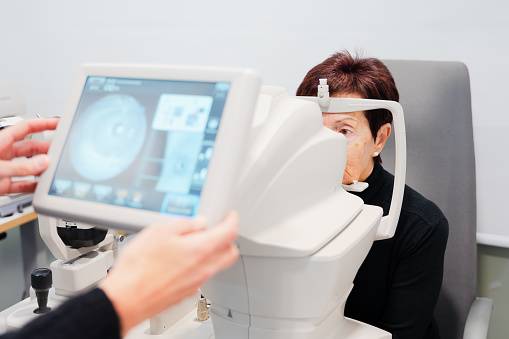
x=220, y=235
x=224, y=258
x=26, y=148
x=21, y=187
x=21, y=130
x=180, y=227
x=32, y=166
x=197, y=224
x=213, y=264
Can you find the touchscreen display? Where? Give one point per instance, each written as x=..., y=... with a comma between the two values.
x=140, y=143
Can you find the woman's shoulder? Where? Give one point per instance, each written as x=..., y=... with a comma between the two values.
x=417, y=205
x=419, y=215
x=422, y=227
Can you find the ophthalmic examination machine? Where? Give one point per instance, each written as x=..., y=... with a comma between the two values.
x=200, y=141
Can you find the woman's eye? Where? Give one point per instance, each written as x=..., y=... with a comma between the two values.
x=344, y=131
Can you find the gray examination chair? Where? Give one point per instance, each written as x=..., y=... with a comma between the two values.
x=441, y=166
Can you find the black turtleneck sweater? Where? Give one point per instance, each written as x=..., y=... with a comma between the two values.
x=397, y=286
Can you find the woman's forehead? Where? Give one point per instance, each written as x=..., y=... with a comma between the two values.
x=357, y=117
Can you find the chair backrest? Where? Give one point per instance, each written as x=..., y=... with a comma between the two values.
x=441, y=166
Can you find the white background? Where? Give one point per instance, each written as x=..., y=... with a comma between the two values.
x=42, y=43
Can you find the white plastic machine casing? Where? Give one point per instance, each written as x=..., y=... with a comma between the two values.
x=302, y=237
x=284, y=185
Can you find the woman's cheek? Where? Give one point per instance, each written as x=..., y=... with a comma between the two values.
x=353, y=164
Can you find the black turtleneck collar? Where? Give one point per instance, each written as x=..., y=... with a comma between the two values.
x=378, y=190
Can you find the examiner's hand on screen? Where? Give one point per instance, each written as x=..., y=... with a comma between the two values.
x=13, y=145
x=167, y=262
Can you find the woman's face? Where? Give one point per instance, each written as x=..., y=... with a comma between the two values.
x=360, y=143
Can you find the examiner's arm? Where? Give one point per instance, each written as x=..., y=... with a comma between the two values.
x=162, y=265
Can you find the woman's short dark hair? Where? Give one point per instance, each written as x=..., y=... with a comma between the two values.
x=346, y=74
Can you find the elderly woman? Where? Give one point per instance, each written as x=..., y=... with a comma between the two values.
x=398, y=284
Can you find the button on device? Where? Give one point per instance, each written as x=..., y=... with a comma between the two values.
x=181, y=204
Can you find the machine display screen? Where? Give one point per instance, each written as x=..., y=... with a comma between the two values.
x=142, y=144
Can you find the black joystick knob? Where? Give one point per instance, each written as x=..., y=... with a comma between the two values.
x=41, y=283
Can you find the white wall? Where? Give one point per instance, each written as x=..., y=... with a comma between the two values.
x=43, y=43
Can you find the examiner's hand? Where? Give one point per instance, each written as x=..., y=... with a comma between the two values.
x=167, y=262
x=13, y=145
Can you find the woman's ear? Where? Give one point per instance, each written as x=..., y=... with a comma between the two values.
x=381, y=137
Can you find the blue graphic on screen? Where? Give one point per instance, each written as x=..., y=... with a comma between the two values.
x=141, y=143
x=108, y=137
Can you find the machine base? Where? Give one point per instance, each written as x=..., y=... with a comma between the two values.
x=188, y=328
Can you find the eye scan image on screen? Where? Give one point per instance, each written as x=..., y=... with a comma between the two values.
x=141, y=143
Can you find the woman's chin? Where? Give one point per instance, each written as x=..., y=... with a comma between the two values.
x=348, y=180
